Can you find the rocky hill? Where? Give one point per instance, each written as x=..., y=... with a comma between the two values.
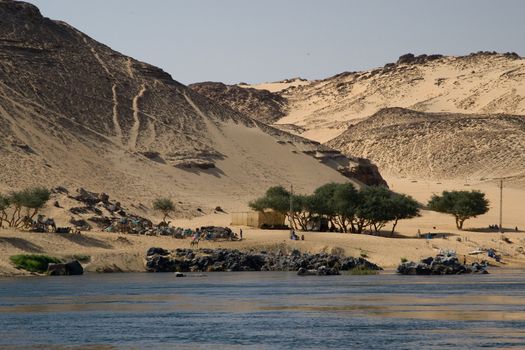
x=260, y=104
x=75, y=113
x=429, y=116
x=470, y=147
x=483, y=82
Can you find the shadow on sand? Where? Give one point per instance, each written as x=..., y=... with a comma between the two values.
x=423, y=235
x=486, y=229
x=22, y=244
x=87, y=241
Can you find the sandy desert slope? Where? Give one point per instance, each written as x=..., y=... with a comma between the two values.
x=465, y=147
x=75, y=113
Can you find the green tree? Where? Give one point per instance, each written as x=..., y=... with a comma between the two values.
x=323, y=200
x=31, y=200
x=276, y=198
x=346, y=200
x=374, y=209
x=303, y=210
x=402, y=207
x=4, y=204
x=462, y=205
x=165, y=206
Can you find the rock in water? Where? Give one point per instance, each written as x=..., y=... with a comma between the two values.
x=74, y=268
x=186, y=260
x=442, y=264
x=68, y=269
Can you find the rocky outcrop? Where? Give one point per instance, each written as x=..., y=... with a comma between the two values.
x=410, y=58
x=68, y=269
x=209, y=260
x=262, y=105
x=365, y=171
x=440, y=265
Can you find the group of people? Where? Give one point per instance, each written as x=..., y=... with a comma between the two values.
x=295, y=237
x=496, y=227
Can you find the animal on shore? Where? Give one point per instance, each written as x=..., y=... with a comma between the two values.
x=194, y=242
x=50, y=225
x=39, y=225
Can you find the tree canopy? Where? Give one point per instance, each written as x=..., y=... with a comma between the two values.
x=19, y=205
x=462, y=205
x=276, y=198
x=344, y=206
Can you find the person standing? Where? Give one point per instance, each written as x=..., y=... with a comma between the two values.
x=240, y=233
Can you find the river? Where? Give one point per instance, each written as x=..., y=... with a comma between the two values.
x=263, y=310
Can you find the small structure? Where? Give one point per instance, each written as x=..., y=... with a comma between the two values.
x=258, y=219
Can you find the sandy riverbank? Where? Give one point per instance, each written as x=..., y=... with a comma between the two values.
x=126, y=252
x=112, y=251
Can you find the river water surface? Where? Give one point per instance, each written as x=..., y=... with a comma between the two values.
x=263, y=310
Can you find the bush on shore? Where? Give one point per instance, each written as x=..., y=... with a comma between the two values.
x=33, y=262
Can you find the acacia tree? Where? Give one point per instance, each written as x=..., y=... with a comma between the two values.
x=165, y=206
x=303, y=210
x=276, y=198
x=26, y=204
x=374, y=209
x=462, y=205
x=4, y=204
x=323, y=203
x=342, y=204
x=402, y=207
x=346, y=200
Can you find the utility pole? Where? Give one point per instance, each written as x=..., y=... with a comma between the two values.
x=501, y=205
x=291, y=208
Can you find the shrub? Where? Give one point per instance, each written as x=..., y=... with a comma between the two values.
x=33, y=262
x=404, y=260
x=165, y=206
x=81, y=258
x=30, y=199
x=338, y=251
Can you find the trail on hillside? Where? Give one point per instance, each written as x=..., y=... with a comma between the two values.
x=134, y=131
x=116, y=124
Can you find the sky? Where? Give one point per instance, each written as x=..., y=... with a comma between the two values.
x=258, y=41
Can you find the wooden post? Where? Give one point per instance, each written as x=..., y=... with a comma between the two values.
x=501, y=205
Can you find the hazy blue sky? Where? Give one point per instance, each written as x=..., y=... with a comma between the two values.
x=255, y=41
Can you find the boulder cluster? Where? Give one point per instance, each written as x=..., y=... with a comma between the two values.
x=209, y=260
x=442, y=264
